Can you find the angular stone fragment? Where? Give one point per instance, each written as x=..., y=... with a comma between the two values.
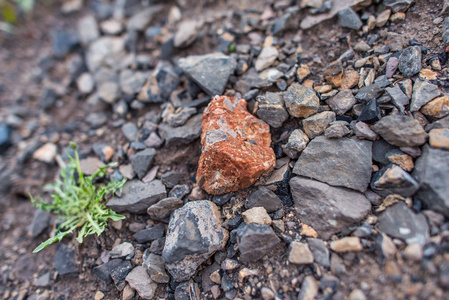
x=327, y=209
x=423, y=93
x=342, y=162
x=301, y=102
x=410, y=61
x=210, y=72
x=394, y=180
x=271, y=109
x=431, y=171
x=181, y=135
x=255, y=241
x=297, y=142
x=139, y=280
x=316, y=124
x=141, y=161
x=194, y=234
x=235, y=147
x=138, y=196
x=342, y=102
x=401, y=131
x=401, y=222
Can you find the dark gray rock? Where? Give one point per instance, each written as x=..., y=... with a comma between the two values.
x=410, y=61
x=40, y=221
x=255, y=241
x=211, y=72
x=162, y=210
x=154, y=264
x=182, y=135
x=371, y=113
x=65, y=260
x=160, y=84
x=194, y=234
x=327, y=209
x=348, y=18
x=271, y=109
x=398, y=5
x=119, y=273
x=398, y=98
x=423, y=93
x=142, y=160
x=320, y=251
x=103, y=272
x=446, y=30
x=139, y=280
x=401, y=131
x=401, y=222
x=431, y=171
x=393, y=180
x=339, y=162
x=264, y=198
x=171, y=178
x=63, y=42
x=5, y=137
x=149, y=234
x=368, y=93
x=138, y=196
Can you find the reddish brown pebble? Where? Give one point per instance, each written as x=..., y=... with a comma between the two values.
x=235, y=147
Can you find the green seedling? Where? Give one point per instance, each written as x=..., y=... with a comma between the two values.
x=78, y=202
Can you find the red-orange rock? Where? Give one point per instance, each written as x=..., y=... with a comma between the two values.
x=235, y=147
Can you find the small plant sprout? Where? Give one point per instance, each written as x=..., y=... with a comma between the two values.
x=78, y=202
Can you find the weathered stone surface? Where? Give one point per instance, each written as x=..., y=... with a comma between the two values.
x=142, y=160
x=300, y=254
x=301, y=102
x=401, y=131
x=271, y=109
x=264, y=198
x=342, y=102
x=235, y=147
x=255, y=241
x=316, y=124
x=162, y=210
x=194, y=234
x=138, y=196
x=327, y=209
x=210, y=72
x=401, y=222
x=297, y=142
x=431, y=171
x=439, y=138
x=340, y=162
x=410, y=61
x=181, y=135
x=160, y=84
x=139, y=280
x=423, y=93
x=437, y=108
x=266, y=58
x=393, y=180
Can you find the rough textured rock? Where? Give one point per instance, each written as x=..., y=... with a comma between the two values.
x=340, y=162
x=271, y=109
x=401, y=131
x=264, y=198
x=394, y=180
x=194, y=234
x=255, y=241
x=138, y=196
x=235, y=147
x=327, y=209
x=139, y=280
x=181, y=135
x=210, y=72
x=431, y=171
x=301, y=102
x=401, y=222
x=316, y=124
